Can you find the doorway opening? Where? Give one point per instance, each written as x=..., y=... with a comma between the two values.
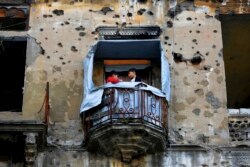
x=235, y=34
x=12, y=70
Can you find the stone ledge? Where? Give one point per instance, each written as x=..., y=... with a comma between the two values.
x=126, y=141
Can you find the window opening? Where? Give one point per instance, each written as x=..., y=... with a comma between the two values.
x=236, y=48
x=12, y=68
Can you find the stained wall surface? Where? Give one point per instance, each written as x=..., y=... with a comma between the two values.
x=60, y=34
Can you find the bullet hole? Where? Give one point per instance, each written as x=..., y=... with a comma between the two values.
x=195, y=41
x=214, y=46
x=48, y=57
x=61, y=58
x=73, y=49
x=90, y=10
x=169, y=24
x=124, y=24
x=197, y=59
x=197, y=31
x=80, y=28
x=217, y=64
x=62, y=24
x=195, y=72
x=116, y=16
x=166, y=38
x=46, y=38
x=129, y=14
x=189, y=18
x=66, y=22
x=207, y=54
x=175, y=43
x=195, y=18
x=192, y=47
x=41, y=29
x=215, y=31
x=79, y=39
x=190, y=31
x=207, y=67
x=178, y=57
x=42, y=51
x=150, y=13
x=106, y=10
x=141, y=11
x=58, y=12
x=172, y=12
x=93, y=32
x=116, y=23
x=220, y=54
x=63, y=63
x=208, y=17
x=74, y=155
x=69, y=61
x=165, y=43
x=103, y=21
x=81, y=34
x=169, y=44
x=180, y=48
x=199, y=24
x=45, y=15
x=60, y=44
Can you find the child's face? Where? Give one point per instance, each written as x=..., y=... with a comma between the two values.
x=131, y=74
x=115, y=76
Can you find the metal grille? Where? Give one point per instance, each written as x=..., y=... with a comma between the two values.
x=128, y=106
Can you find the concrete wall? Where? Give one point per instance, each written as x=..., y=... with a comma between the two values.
x=198, y=106
x=61, y=33
x=59, y=37
x=55, y=157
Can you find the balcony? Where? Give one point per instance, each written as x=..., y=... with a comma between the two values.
x=128, y=122
x=127, y=119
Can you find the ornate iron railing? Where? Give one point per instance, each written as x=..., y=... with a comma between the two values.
x=128, y=106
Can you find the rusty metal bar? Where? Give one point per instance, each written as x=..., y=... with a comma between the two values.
x=47, y=106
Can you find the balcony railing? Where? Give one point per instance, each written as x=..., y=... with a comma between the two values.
x=128, y=106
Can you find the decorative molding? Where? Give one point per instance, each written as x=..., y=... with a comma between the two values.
x=27, y=127
x=114, y=33
x=30, y=149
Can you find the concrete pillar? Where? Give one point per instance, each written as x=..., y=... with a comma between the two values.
x=30, y=149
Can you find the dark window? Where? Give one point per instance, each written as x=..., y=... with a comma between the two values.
x=12, y=149
x=236, y=47
x=12, y=67
x=14, y=17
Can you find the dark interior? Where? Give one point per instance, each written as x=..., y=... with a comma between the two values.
x=236, y=47
x=12, y=147
x=14, y=18
x=147, y=49
x=12, y=67
x=13, y=24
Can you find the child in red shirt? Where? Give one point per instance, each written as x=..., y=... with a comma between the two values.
x=113, y=78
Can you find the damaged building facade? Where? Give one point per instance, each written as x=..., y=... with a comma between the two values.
x=201, y=45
